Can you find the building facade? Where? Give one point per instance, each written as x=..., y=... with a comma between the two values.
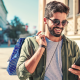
x=72, y=30
x=3, y=20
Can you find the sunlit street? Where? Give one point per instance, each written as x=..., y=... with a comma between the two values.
x=5, y=53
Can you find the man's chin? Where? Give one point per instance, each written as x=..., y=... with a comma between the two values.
x=57, y=35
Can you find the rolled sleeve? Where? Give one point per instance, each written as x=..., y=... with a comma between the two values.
x=22, y=72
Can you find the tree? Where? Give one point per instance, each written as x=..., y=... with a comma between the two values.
x=17, y=28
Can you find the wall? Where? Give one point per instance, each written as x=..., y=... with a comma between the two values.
x=3, y=15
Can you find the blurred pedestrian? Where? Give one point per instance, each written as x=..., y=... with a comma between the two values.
x=9, y=43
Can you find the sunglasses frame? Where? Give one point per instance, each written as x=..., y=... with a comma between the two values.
x=59, y=22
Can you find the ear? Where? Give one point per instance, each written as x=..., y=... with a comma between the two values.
x=45, y=20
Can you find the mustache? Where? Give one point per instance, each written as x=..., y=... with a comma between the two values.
x=58, y=28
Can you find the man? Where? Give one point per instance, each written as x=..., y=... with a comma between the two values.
x=49, y=56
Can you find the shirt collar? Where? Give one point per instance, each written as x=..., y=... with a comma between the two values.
x=65, y=38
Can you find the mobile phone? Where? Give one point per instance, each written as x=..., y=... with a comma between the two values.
x=78, y=62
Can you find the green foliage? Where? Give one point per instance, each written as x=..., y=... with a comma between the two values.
x=17, y=28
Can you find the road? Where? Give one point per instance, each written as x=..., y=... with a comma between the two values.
x=5, y=53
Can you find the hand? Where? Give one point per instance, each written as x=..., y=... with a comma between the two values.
x=76, y=72
x=41, y=39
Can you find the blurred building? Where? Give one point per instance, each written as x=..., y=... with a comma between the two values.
x=24, y=35
x=3, y=20
x=73, y=29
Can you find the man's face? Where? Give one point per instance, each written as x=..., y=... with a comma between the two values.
x=56, y=23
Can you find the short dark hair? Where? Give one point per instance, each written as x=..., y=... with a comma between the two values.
x=55, y=6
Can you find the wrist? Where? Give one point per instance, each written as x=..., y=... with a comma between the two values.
x=42, y=46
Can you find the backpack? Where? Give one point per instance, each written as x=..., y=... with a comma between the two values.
x=11, y=69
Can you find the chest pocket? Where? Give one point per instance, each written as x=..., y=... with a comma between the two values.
x=71, y=55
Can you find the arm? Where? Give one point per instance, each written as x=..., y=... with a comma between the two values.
x=32, y=63
x=26, y=64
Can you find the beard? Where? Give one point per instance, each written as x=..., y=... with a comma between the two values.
x=52, y=32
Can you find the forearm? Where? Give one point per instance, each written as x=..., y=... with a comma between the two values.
x=32, y=63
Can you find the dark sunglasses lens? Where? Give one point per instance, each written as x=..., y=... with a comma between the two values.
x=56, y=22
x=64, y=23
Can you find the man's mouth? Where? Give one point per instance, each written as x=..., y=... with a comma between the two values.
x=58, y=30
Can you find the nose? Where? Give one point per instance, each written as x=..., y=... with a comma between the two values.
x=60, y=25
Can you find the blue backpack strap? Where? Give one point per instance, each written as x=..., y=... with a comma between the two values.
x=11, y=69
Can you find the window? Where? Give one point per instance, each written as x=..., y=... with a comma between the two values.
x=70, y=4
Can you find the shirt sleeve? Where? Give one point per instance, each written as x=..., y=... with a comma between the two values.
x=25, y=54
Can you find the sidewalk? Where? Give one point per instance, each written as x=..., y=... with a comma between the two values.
x=5, y=53
x=6, y=46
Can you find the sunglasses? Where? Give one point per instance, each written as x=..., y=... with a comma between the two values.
x=57, y=22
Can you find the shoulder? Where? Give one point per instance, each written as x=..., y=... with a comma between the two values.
x=70, y=42
x=31, y=41
x=71, y=46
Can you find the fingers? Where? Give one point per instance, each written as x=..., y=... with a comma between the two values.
x=38, y=32
x=42, y=36
x=76, y=69
x=41, y=39
x=75, y=66
x=76, y=72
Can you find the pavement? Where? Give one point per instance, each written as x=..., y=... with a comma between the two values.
x=5, y=53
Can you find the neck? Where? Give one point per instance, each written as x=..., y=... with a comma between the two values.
x=53, y=38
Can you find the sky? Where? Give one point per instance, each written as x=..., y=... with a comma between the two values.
x=26, y=10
